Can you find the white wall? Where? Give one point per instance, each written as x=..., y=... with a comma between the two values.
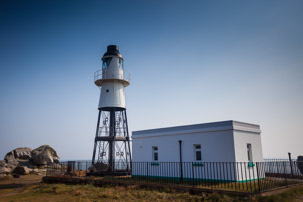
x=243, y=138
x=224, y=142
x=216, y=147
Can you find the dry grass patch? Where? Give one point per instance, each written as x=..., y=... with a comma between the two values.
x=62, y=192
x=33, y=191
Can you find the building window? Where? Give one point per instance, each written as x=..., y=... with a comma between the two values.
x=198, y=153
x=155, y=153
x=249, y=153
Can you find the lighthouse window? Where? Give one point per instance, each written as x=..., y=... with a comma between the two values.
x=106, y=62
x=121, y=64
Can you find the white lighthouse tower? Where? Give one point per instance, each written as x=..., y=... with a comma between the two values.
x=112, y=148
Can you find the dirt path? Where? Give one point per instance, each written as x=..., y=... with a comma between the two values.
x=13, y=186
x=279, y=191
x=299, y=199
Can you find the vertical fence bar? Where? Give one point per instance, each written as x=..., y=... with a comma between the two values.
x=181, y=172
x=285, y=174
x=147, y=172
x=238, y=176
x=227, y=176
x=224, y=175
x=258, y=176
x=205, y=174
x=193, y=175
x=213, y=179
x=290, y=162
x=262, y=175
x=270, y=167
x=208, y=178
x=161, y=180
x=213, y=171
x=249, y=175
x=164, y=172
x=210, y=174
x=221, y=177
x=254, y=179
x=178, y=175
x=217, y=174
x=201, y=178
x=281, y=171
x=245, y=176
x=231, y=178
x=168, y=173
x=188, y=173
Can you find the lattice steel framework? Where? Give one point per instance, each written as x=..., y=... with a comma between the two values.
x=112, y=144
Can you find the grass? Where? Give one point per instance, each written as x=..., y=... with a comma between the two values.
x=33, y=190
x=294, y=194
x=62, y=192
x=249, y=187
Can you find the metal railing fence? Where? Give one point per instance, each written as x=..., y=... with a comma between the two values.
x=246, y=177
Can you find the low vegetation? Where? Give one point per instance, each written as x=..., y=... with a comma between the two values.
x=29, y=188
x=62, y=192
x=293, y=194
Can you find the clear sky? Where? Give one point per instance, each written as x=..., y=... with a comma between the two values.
x=190, y=62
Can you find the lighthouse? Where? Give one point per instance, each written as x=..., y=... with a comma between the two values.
x=112, y=144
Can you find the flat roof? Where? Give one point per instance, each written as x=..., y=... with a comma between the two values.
x=231, y=124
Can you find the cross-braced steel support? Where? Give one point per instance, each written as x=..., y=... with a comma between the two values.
x=112, y=144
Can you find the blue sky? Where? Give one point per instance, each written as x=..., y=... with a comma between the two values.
x=190, y=62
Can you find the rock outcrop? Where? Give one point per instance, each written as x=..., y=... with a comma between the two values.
x=21, y=170
x=22, y=160
x=4, y=169
x=19, y=156
x=44, y=155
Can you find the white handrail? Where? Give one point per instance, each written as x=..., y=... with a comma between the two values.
x=123, y=76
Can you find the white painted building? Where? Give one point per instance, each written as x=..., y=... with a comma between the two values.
x=226, y=141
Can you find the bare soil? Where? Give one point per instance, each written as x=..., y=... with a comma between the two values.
x=13, y=186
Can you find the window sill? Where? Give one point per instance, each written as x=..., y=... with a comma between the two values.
x=155, y=164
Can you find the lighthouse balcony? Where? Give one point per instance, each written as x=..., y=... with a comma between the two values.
x=102, y=76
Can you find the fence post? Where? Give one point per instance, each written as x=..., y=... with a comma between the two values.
x=193, y=175
x=258, y=176
x=147, y=171
x=290, y=162
x=86, y=169
x=181, y=168
x=285, y=174
x=78, y=174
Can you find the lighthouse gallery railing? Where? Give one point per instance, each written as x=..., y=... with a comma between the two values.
x=103, y=74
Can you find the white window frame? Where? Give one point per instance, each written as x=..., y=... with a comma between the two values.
x=155, y=150
x=249, y=152
x=197, y=150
